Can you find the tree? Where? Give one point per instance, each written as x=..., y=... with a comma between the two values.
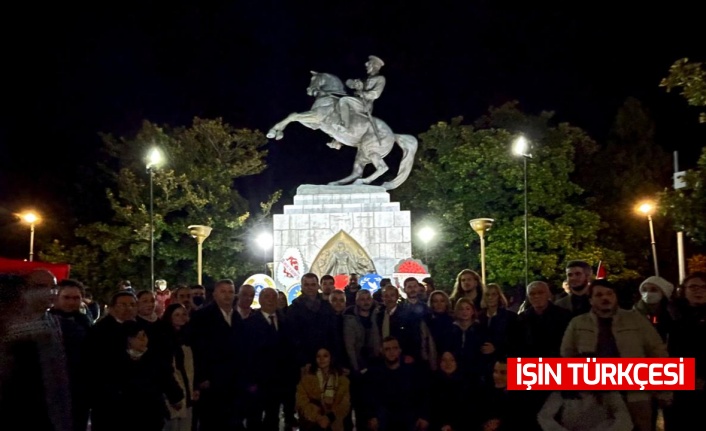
x=465, y=172
x=194, y=186
x=691, y=78
x=638, y=169
x=686, y=206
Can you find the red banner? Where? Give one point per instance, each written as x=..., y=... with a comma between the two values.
x=22, y=267
x=603, y=374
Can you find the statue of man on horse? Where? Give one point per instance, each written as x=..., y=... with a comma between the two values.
x=349, y=121
x=366, y=92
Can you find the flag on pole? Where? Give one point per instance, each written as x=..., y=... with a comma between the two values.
x=600, y=271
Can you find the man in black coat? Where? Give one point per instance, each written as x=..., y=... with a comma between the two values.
x=74, y=329
x=271, y=374
x=218, y=358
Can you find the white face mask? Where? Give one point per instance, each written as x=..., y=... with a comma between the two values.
x=135, y=354
x=651, y=297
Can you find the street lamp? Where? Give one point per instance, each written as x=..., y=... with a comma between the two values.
x=31, y=218
x=200, y=233
x=426, y=234
x=480, y=226
x=648, y=208
x=265, y=241
x=153, y=160
x=520, y=147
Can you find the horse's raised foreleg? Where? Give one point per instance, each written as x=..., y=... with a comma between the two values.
x=305, y=118
x=357, y=173
x=380, y=168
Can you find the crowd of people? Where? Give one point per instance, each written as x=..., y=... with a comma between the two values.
x=398, y=359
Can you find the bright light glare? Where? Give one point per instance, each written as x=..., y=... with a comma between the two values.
x=30, y=217
x=154, y=158
x=426, y=234
x=520, y=146
x=646, y=208
x=265, y=240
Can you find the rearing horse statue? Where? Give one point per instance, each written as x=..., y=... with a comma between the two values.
x=373, y=142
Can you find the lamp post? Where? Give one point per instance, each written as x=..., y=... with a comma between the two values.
x=426, y=234
x=200, y=232
x=679, y=184
x=648, y=208
x=480, y=226
x=520, y=147
x=31, y=218
x=153, y=161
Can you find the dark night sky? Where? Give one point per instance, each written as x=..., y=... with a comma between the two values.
x=73, y=72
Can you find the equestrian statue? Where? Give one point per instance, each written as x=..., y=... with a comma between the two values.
x=348, y=120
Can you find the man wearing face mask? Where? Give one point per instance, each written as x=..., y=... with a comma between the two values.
x=198, y=297
x=655, y=297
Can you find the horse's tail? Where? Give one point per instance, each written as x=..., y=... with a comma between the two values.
x=408, y=143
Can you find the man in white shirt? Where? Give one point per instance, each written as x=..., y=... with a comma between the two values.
x=223, y=297
x=272, y=376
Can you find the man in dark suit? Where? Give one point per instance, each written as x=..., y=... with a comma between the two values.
x=271, y=374
x=398, y=395
x=218, y=356
x=398, y=320
x=74, y=329
x=103, y=345
x=312, y=321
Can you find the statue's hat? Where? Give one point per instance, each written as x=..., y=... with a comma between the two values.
x=376, y=59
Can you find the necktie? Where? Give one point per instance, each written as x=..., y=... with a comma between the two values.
x=386, y=325
x=272, y=321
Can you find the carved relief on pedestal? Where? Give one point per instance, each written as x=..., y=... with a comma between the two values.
x=342, y=255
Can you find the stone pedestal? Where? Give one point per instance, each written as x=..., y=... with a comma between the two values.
x=364, y=212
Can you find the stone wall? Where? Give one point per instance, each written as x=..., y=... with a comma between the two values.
x=364, y=212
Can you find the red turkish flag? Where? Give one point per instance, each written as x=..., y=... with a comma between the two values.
x=600, y=271
x=340, y=281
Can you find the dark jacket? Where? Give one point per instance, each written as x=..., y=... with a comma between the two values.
x=452, y=402
x=397, y=398
x=312, y=327
x=539, y=335
x=217, y=348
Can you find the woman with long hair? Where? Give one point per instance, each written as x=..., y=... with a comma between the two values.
x=441, y=317
x=468, y=285
x=465, y=340
x=497, y=322
x=323, y=395
x=177, y=349
x=143, y=380
x=451, y=398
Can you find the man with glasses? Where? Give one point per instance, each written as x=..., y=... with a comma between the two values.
x=687, y=339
